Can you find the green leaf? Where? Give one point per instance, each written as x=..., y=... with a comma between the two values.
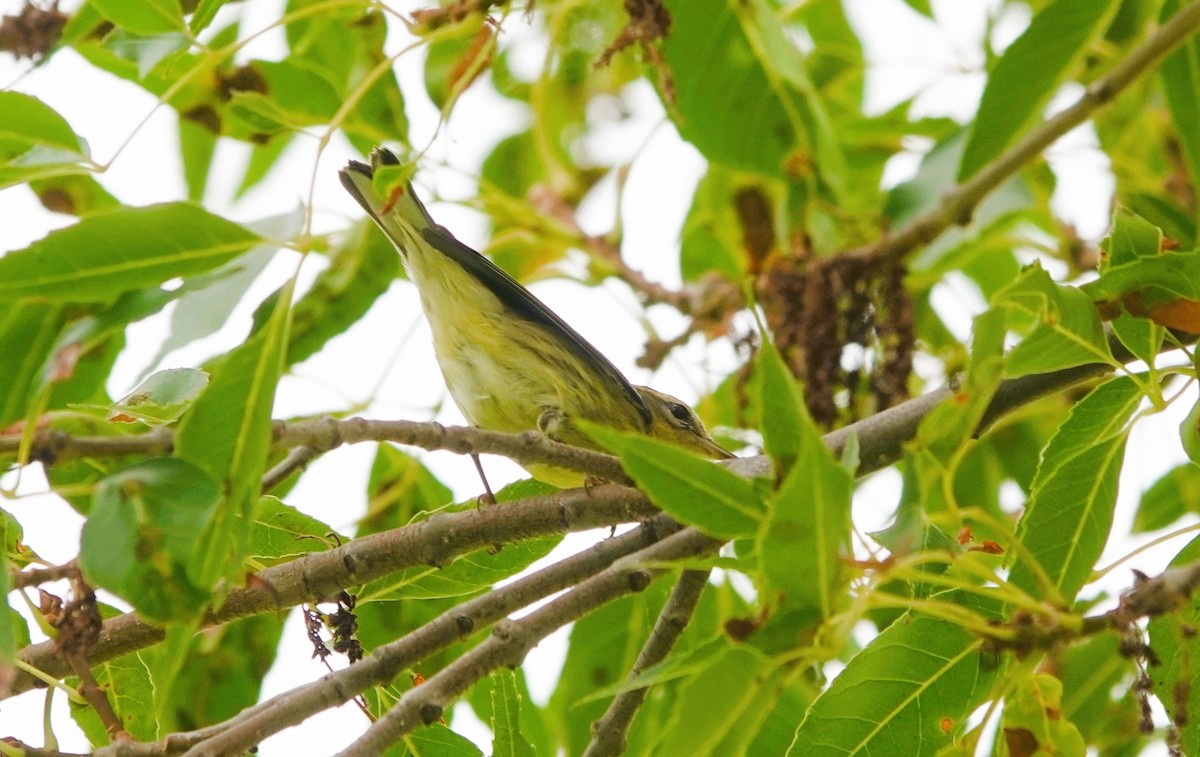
x=220, y=671
x=787, y=428
x=957, y=248
x=141, y=536
x=12, y=545
x=1159, y=279
x=738, y=675
x=1029, y=73
x=437, y=740
x=690, y=488
x=514, y=166
x=205, y=12
x=1067, y=333
x=1189, y=434
x=292, y=93
x=1069, y=512
x=122, y=250
x=281, y=533
x=36, y=142
x=28, y=334
x=360, y=270
x=1091, y=673
x=263, y=158
x=1177, y=648
x=806, y=535
x=776, y=730
x=1180, y=73
x=227, y=432
x=197, y=146
x=345, y=45
x=452, y=57
x=143, y=16
x=898, y=695
x=681, y=664
x=8, y=618
x=507, y=739
x=920, y=6
x=77, y=195
x=714, y=237
x=166, y=662
x=1033, y=713
x=949, y=428
x=130, y=690
x=379, y=115
x=163, y=396
x=400, y=489
x=806, y=532
x=603, y=646
x=742, y=96
x=1168, y=499
x=1166, y=214
x=208, y=299
x=29, y=123
x=465, y=577
x=1133, y=237
x=531, y=718
x=743, y=735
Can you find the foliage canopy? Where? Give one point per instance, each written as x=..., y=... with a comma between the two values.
x=979, y=604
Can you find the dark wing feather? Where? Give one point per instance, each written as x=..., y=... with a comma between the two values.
x=522, y=302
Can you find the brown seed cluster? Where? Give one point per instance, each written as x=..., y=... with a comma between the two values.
x=32, y=32
x=845, y=326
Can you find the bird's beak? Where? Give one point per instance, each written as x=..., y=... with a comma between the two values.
x=716, y=451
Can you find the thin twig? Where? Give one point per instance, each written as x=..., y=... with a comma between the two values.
x=1148, y=598
x=324, y=434
x=21, y=579
x=957, y=205
x=714, y=295
x=320, y=575
x=381, y=666
x=511, y=640
x=610, y=731
x=296, y=460
x=26, y=750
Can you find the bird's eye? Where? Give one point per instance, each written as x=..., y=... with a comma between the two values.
x=681, y=413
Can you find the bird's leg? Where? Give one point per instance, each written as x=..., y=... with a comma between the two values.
x=554, y=425
x=487, y=498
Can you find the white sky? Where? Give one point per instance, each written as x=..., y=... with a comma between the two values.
x=937, y=63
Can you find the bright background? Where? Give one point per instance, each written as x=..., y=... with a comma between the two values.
x=385, y=363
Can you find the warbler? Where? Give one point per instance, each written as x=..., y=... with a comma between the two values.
x=509, y=362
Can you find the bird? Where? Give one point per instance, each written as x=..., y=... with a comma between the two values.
x=509, y=362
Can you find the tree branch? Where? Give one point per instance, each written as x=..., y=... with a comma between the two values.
x=319, y=575
x=21, y=579
x=296, y=460
x=32, y=751
x=958, y=205
x=1148, y=598
x=610, y=731
x=381, y=666
x=324, y=434
x=880, y=440
x=704, y=298
x=511, y=640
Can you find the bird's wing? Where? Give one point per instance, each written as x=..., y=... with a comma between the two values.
x=408, y=211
